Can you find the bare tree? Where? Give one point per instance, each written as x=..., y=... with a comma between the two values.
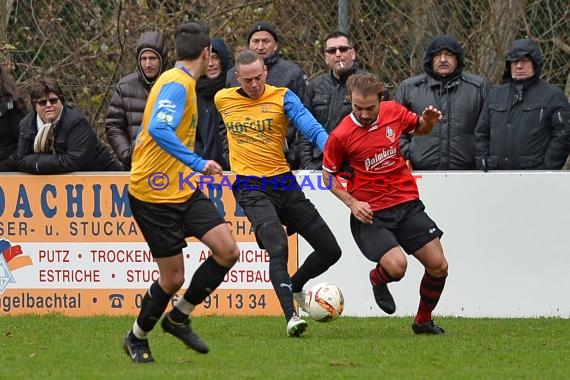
x=498, y=30
x=5, y=11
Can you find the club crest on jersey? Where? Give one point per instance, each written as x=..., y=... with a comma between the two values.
x=264, y=108
x=390, y=134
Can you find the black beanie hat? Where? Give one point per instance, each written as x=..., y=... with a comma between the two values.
x=262, y=26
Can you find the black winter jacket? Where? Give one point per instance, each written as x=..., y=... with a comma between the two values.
x=209, y=144
x=460, y=98
x=10, y=118
x=283, y=73
x=125, y=113
x=77, y=147
x=328, y=101
x=524, y=124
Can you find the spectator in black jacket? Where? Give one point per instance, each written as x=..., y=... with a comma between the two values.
x=57, y=138
x=327, y=96
x=12, y=111
x=208, y=140
x=126, y=108
x=262, y=38
x=525, y=123
x=458, y=94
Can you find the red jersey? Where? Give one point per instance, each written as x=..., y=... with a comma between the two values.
x=380, y=175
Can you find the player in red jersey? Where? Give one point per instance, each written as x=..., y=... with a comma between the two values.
x=387, y=217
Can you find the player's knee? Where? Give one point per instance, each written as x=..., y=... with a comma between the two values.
x=228, y=255
x=273, y=237
x=440, y=270
x=395, y=264
x=331, y=252
x=172, y=283
x=234, y=255
x=322, y=240
x=398, y=272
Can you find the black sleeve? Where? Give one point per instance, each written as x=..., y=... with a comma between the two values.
x=80, y=143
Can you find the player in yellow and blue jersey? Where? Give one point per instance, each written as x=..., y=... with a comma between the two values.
x=256, y=116
x=168, y=210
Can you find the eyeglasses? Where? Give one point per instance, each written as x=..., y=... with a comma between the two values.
x=342, y=49
x=44, y=102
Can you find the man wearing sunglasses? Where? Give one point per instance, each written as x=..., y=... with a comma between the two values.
x=327, y=96
x=58, y=138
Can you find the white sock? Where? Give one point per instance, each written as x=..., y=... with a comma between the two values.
x=138, y=332
x=184, y=306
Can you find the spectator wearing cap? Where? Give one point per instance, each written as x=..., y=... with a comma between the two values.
x=209, y=143
x=124, y=116
x=458, y=94
x=525, y=122
x=263, y=38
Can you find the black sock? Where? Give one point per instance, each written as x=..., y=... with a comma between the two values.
x=274, y=239
x=206, y=279
x=153, y=305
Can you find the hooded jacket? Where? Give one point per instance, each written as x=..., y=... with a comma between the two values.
x=126, y=108
x=208, y=140
x=524, y=124
x=460, y=98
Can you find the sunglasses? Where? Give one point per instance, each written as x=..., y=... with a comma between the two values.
x=43, y=102
x=342, y=49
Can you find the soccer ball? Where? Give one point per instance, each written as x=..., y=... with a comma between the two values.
x=325, y=302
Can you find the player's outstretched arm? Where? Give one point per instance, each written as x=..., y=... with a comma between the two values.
x=304, y=121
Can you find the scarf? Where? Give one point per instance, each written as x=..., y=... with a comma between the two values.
x=45, y=139
x=206, y=88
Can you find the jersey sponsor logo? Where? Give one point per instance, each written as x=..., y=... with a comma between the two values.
x=250, y=125
x=390, y=134
x=165, y=117
x=379, y=158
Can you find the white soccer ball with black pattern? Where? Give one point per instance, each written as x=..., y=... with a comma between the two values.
x=325, y=302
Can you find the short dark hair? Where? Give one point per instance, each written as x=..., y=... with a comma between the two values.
x=43, y=87
x=245, y=56
x=366, y=84
x=336, y=34
x=189, y=40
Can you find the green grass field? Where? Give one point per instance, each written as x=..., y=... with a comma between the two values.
x=57, y=347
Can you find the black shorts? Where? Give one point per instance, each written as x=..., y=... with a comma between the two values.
x=278, y=198
x=165, y=226
x=406, y=225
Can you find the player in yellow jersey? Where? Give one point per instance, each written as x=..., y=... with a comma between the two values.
x=166, y=211
x=256, y=116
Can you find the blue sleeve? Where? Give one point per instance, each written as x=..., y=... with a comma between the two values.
x=304, y=120
x=165, y=118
